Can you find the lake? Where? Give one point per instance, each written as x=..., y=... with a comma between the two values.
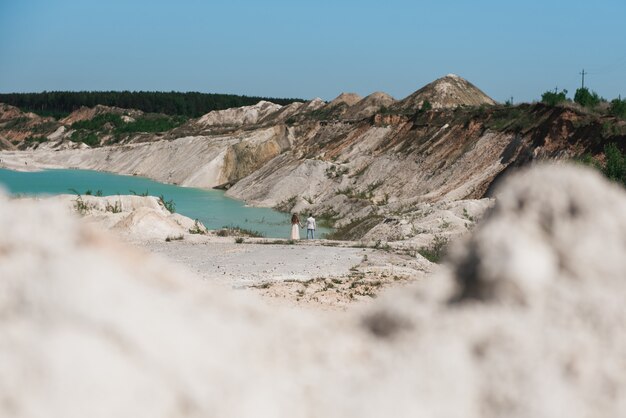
x=211, y=207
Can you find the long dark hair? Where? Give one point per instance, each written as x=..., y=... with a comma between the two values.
x=295, y=219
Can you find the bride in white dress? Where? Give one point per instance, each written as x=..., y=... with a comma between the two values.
x=295, y=227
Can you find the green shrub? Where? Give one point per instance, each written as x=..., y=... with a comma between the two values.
x=615, y=164
x=81, y=207
x=618, y=108
x=115, y=123
x=197, y=228
x=17, y=123
x=144, y=194
x=169, y=204
x=117, y=208
x=587, y=98
x=228, y=231
x=85, y=137
x=174, y=238
x=36, y=139
x=552, y=98
x=437, y=249
x=98, y=122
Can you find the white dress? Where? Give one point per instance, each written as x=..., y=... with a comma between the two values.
x=295, y=231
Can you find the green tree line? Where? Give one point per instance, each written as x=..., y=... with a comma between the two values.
x=191, y=104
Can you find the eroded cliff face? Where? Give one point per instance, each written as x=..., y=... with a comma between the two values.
x=390, y=163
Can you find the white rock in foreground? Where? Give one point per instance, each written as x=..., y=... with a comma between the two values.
x=534, y=326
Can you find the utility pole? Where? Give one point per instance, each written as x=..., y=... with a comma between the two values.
x=583, y=74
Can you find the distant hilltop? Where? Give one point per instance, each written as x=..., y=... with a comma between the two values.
x=448, y=91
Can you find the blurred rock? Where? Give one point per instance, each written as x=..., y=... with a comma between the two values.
x=528, y=322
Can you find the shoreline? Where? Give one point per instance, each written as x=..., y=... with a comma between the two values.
x=32, y=165
x=269, y=224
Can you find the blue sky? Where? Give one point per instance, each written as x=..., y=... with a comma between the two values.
x=315, y=48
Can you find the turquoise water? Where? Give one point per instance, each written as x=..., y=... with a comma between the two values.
x=211, y=207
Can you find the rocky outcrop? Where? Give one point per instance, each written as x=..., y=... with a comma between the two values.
x=5, y=144
x=88, y=113
x=527, y=323
x=138, y=218
x=238, y=116
x=435, y=162
x=17, y=126
x=370, y=105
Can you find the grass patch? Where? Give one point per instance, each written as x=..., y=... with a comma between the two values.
x=367, y=194
x=81, y=207
x=467, y=216
x=436, y=250
x=287, y=205
x=197, y=228
x=230, y=231
x=510, y=118
x=327, y=218
x=144, y=194
x=116, y=208
x=168, y=204
x=17, y=123
x=355, y=229
x=334, y=171
x=174, y=238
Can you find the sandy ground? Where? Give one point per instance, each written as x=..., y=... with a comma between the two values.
x=19, y=161
x=316, y=274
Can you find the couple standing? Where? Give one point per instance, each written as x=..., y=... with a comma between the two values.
x=310, y=226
